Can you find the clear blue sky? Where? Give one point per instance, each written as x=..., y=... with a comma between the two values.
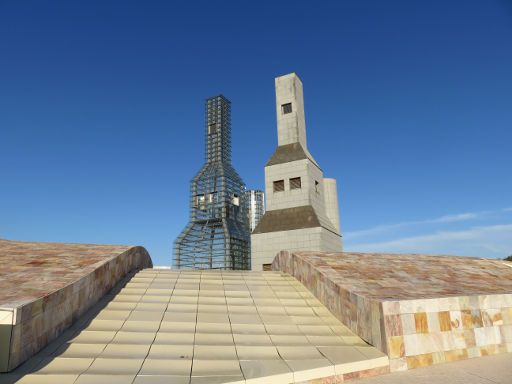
x=408, y=106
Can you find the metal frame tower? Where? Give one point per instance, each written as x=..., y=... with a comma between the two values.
x=217, y=235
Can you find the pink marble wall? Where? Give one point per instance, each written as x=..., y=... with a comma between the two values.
x=430, y=331
x=411, y=325
x=37, y=321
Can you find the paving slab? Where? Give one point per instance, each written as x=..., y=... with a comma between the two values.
x=496, y=369
x=261, y=339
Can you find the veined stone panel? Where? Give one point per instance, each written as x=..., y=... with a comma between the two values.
x=419, y=309
x=45, y=287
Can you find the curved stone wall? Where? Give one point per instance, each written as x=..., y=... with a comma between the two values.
x=45, y=287
x=419, y=309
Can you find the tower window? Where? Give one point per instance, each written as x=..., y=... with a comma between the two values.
x=317, y=189
x=279, y=186
x=199, y=201
x=286, y=108
x=295, y=183
x=236, y=200
x=212, y=128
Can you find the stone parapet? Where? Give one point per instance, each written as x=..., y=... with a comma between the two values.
x=45, y=287
x=419, y=309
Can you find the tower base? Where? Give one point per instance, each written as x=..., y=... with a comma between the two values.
x=265, y=246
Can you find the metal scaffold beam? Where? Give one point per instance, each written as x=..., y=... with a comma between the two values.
x=218, y=234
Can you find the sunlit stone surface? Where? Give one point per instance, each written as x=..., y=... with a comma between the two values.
x=419, y=309
x=206, y=327
x=44, y=287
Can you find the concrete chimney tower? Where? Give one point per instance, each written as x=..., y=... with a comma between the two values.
x=291, y=124
x=301, y=206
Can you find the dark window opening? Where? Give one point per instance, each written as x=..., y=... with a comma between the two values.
x=267, y=267
x=287, y=108
x=317, y=190
x=295, y=183
x=279, y=186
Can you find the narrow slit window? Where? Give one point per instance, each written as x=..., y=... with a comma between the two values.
x=317, y=189
x=279, y=186
x=295, y=183
x=287, y=108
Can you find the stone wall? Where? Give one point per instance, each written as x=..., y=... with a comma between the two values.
x=430, y=331
x=420, y=331
x=29, y=324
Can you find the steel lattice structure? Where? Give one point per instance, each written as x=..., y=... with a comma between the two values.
x=218, y=235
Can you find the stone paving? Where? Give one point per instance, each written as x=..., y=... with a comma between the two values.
x=495, y=369
x=420, y=310
x=211, y=327
x=312, y=320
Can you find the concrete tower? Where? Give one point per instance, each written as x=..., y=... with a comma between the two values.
x=217, y=235
x=301, y=206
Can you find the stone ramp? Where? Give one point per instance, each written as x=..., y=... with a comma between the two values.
x=419, y=309
x=45, y=287
x=205, y=327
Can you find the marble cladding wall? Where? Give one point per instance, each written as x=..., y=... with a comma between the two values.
x=413, y=332
x=38, y=317
x=430, y=331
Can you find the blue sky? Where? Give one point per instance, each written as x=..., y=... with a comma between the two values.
x=408, y=106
